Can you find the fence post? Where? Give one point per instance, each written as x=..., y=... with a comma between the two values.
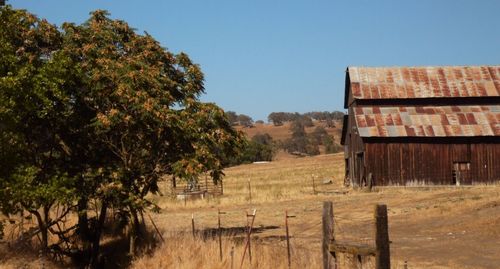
x=289, y=254
x=383, y=255
x=249, y=191
x=328, y=232
x=220, y=233
x=192, y=225
x=249, y=237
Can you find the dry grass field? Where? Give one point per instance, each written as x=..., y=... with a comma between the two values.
x=446, y=227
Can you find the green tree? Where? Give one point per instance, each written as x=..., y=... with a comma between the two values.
x=92, y=117
x=260, y=148
x=245, y=120
x=34, y=109
x=319, y=133
x=330, y=145
x=131, y=84
x=232, y=117
x=277, y=118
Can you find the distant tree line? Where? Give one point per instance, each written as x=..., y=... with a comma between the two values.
x=260, y=147
x=239, y=119
x=279, y=118
x=302, y=143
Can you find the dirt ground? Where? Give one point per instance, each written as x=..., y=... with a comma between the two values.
x=434, y=227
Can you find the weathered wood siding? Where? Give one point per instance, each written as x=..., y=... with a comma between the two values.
x=431, y=162
x=353, y=146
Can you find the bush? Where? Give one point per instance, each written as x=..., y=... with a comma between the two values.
x=331, y=146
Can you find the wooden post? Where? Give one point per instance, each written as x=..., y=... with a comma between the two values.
x=220, y=234
x=289, y=253
x=370, y=182
x=249, y=191
x=192, y=225
x=383, y=255
x=156, y=228
x=249, y=237
x=328, y=235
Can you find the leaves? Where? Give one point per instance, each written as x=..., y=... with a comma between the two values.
x=98, y=112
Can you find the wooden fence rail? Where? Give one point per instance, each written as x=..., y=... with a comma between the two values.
x=381, y=250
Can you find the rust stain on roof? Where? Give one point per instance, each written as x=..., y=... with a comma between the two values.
x=402, y=121
x=424, y=82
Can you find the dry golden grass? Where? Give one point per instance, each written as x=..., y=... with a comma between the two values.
x=448, y=227
x=182, y=251
x=286, y=180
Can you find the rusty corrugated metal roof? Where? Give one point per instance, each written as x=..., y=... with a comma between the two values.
x=428, y=121
x=424, y=82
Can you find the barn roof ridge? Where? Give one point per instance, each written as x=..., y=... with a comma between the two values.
x=420, y=66
x=378, y=83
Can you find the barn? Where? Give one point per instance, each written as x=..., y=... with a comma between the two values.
x=422, y=125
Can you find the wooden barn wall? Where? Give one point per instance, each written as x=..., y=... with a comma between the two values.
x=353, y=146
x=427, y=163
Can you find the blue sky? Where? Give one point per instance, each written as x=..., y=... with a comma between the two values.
x=261, y=56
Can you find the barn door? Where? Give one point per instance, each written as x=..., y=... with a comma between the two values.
x=461, y=173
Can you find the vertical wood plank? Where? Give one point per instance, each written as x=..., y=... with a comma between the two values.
x=328, y=235
x=383, y=256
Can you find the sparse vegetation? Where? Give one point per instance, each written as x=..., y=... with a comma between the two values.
x=279, y=118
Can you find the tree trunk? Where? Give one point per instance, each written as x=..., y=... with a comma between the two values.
x=83, y=224
x=42, y=225
x=135, y=232
x=96, y=239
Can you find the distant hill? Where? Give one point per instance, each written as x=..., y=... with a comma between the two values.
x=281, y=133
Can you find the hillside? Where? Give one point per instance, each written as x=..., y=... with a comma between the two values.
x=281, y=133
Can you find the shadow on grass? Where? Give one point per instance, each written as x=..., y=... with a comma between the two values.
x=210, y=233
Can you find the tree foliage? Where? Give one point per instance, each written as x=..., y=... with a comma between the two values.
x=301, y=142
x=232, y=117
x=279, y=118
x=34, y=109
x=260, y=147
x=239, y=119
x=91, y=117
x=245, y=120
